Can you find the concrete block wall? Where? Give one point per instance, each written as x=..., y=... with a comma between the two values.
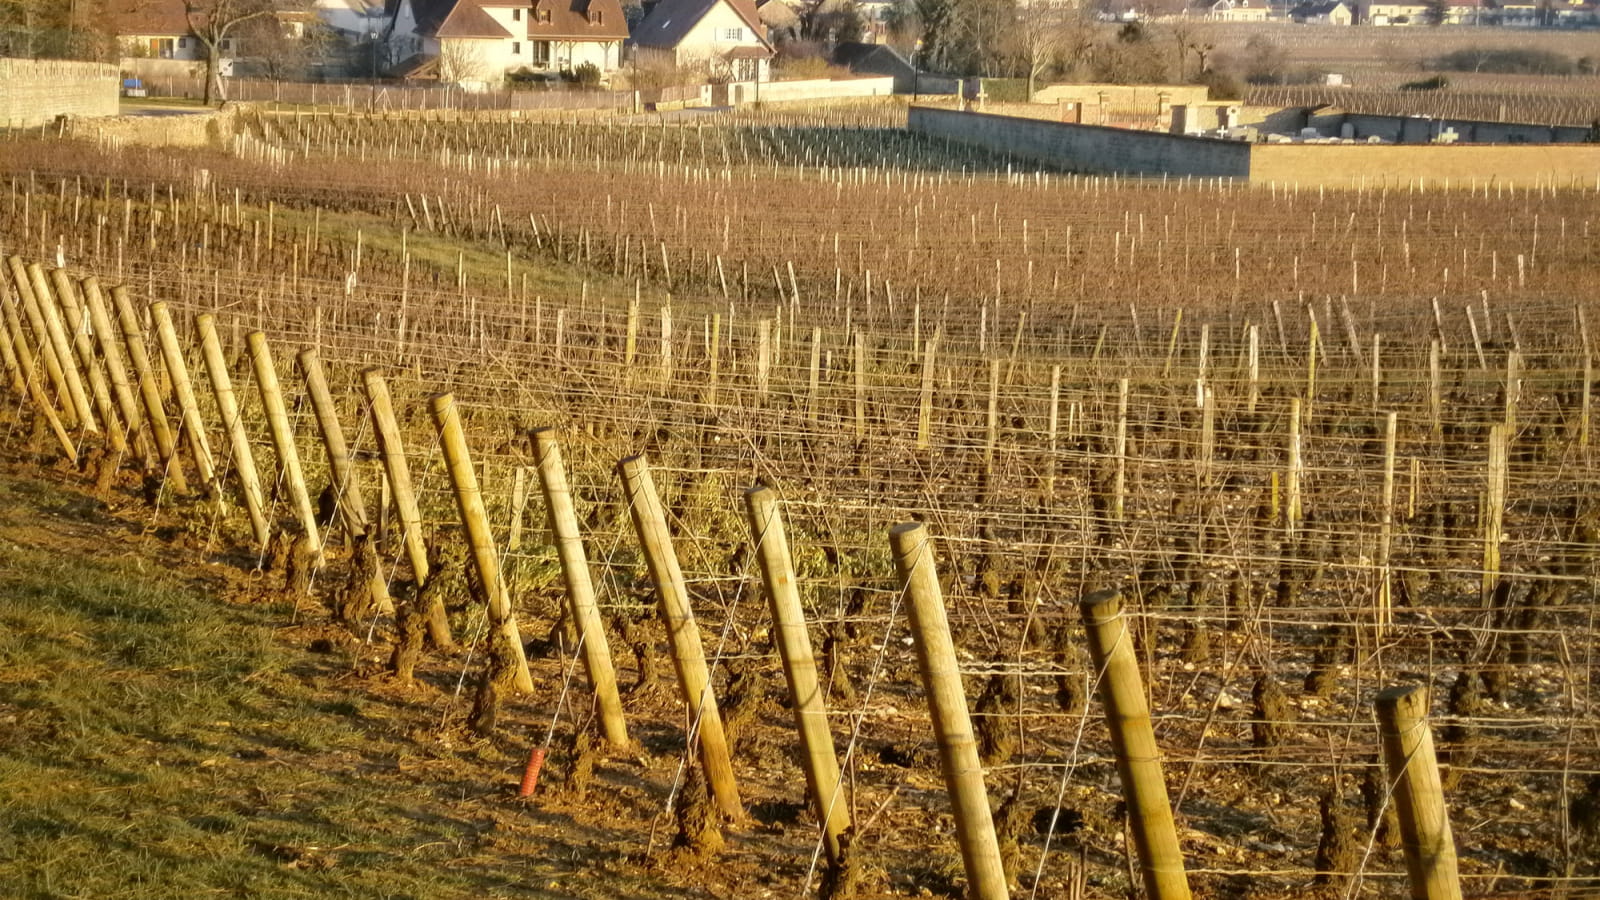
x=36, y=91
x=1087, y=148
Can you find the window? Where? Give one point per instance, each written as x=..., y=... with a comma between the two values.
x=596, y=17
x=516, y=15
x=516, y=48
x=544, y=15
x=733, y=34
x=541, y=52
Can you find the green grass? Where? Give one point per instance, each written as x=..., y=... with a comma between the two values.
x=157, y=741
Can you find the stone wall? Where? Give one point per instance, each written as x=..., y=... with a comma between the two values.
x=741, y=93
x=1087, y=148
x=214, y=129
x=1415, y=130
x=36, y=91
x=1459, y=165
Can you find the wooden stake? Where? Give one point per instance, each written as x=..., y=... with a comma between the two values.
x=29, y=364
x=688, y=656
x=947, y=707
x=149, y=391
x=228, y=407
x=65, y=294
x=398, y=476
x=1494, y=509
x=1386, y=534
x=1120, y=488
x=194, y=429
x=807, y=698
x=1418, y=795
x=46, y=320
x=1134, y=742
x=1292, y=487
x=584, y=610
x=283, y=437
x=116, y=368
x=480, y=540
x=346, y=488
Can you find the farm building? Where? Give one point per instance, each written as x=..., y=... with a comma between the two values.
x=725, y=36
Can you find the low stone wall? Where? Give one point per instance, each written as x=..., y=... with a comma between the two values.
x=202, y=129
x=36, y=91
x=740, y=93
x=1087, y=148
x=1458, y=165
x=1415, y=130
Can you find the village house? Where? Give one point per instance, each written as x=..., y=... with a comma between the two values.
x=1234, y=11
x=476, y=42
x=1325, y=12
x=725, y=37
x=158, y=29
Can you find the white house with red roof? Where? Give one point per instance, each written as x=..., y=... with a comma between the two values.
x=725, y=36
x=476, y=42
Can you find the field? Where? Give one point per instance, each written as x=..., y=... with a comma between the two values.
x=1321, y=444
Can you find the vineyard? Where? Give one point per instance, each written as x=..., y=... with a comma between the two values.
x=609, y=435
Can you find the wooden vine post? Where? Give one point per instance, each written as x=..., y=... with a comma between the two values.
x=116, y=368
x=44, y=351
x=480, y=540
x=56, y=335
x=584, y=610
x=1417, y=792
x=99, y=388
x=947, y=706
x=688, y=655
x=347, y=490
x=266, y=372
x=28, y=365
x=1134, y=742
x=194, y=429
x=228, y=406
x=149, y=390
x=398, y=474
x=1494, y=509
x=799, y=667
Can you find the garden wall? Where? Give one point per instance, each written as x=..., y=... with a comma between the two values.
x=36, y=91
x=1354, y=165
x=1087, y=148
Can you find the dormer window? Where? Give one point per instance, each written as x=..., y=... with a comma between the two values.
x=543, y=14
x=596, y=17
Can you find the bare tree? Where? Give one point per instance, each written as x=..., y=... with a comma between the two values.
x=461, y=62
x=212, y=22
x=1041, y=31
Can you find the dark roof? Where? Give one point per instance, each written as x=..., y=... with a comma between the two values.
x=670, y=21
x=1317, y=8
x=148, y=17
x=577, y=19
x=851, y=54
x=466, y=19
x=418, y=65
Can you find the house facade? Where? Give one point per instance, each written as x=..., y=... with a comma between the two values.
x=1327, y=12
x=158, y=29
x=1235, y=11
x=474, y=43
x=725, y=37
